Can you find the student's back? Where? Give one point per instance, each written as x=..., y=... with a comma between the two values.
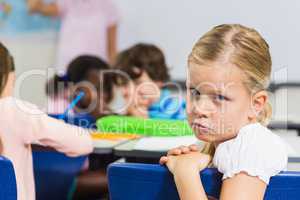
x=22, y=124
x=18, y=129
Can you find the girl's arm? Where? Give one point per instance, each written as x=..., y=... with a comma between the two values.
x=65, y=138
x=34, y=126
x=185, y=164
x=47, y=9
x=189, y=185
x=112, y=43
x=243, y=186
x=239, y=187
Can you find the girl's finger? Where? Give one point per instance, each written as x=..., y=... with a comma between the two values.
x=176, y=151
x=185, y=149
x=193, y=147
x=163, y=160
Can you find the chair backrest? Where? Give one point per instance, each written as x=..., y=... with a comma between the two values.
x=154, y=182
x=8, y=186
x=54, y=174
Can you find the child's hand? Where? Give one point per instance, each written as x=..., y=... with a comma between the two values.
x=183, y=149
x=185, y=159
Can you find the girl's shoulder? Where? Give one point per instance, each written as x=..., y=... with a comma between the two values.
x=254, y=136
x=256, y=150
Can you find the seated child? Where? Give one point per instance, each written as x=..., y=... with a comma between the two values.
x=144, y=74
x=229, y=70
x=85, y=73
x=22, y=124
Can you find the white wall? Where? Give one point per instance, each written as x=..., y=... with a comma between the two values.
x=32, y=52
x=175, y=25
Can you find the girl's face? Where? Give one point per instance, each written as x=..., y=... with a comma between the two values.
x=218, y=103
x=140, y=94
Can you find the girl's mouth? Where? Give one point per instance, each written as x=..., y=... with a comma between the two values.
x=200, y=127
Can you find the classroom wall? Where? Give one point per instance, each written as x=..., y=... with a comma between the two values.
x=175, y=26
x=33, y=54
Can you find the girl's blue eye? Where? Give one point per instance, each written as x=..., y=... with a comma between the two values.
x=220, y=97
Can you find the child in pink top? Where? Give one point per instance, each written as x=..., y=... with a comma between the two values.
x=88, y=28
x=22, y=124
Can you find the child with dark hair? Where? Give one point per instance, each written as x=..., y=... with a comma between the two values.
x=85, y=73
x=144, y=76
x=90, y=75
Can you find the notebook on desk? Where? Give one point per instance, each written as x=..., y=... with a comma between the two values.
x=109, y=140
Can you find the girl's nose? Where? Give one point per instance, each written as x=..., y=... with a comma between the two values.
x=203, y=107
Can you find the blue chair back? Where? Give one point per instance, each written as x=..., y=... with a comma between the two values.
x=154, y=182
x=54, y=174
x=8, y=186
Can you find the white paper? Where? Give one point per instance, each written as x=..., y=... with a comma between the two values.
x=165, y=143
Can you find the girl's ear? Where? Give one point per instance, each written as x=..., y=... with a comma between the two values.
x=258, y=103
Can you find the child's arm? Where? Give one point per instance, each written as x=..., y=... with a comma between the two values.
x=243, y=186
x=47, y=9
x=189, y=185
x=112, y=43
x=32, y=125
x=65, y=138
x=185, y=164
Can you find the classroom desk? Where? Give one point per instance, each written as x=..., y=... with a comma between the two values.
x=285, y=125
x=106, y=146
x=127, y=150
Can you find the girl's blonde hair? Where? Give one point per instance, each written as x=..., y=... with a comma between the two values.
x=245, y=48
